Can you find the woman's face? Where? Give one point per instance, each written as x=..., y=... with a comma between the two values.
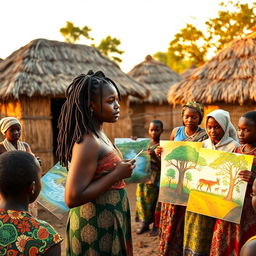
x=214, y=130
x=13, y=133
x=246, y=131
x=190, y=118
x=108, y=109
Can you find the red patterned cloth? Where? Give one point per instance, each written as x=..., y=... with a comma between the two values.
x=228, y=238
x=108, y=164
x=23, y=235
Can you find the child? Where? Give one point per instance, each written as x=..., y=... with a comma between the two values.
x=228, y=238
x=11, y=129
x=147, y=193
x=198, y=229
x=172, y=216
x=99, y=220
x=20, y=233
x=249, y=248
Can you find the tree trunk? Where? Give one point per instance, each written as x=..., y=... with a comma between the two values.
x=229, y=196
x=180, y=182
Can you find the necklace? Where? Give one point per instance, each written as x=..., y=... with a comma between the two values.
x=191, y=136
x=243, y=149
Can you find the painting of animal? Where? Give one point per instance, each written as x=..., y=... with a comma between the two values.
x=208, y=184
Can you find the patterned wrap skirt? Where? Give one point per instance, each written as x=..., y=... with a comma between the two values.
x=101, y=227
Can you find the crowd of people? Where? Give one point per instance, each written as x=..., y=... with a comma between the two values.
x=99, y=221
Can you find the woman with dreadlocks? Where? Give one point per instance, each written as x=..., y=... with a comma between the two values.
x=99, y=218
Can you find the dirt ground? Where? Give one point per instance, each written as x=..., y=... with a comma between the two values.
x=142, y=244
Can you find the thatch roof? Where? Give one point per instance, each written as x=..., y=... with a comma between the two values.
x=229, y=77
x=156, y=77
x=45, y=68
x=187, y=72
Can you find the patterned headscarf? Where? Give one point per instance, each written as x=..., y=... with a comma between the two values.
x=196, y=106
x=7, y=122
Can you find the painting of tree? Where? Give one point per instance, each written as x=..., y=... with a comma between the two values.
x=170, y=175
x=184, y=158
x=229, y=165
x=188, y=177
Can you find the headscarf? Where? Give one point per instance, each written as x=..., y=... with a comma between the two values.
x=7, y=122
x=196, y=106
x=229, y=140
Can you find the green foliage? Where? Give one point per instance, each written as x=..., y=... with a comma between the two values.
x=188, y=176
x=187, y=48
x=192, y=47
x=229, y=162
x=229, y=26
x=109, y=46
x=161, y=56
x=183, y=153
x=72, y=33
x=171, y=173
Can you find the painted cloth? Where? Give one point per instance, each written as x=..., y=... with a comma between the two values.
x=23, y=235
x=101, y=227
x=228, y=238
x=7, y=122
x=198, y=229
x=147, y=193
x=172, y=218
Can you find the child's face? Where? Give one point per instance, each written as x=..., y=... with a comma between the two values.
x=253, y=195
x=110, y=107
x=190, y=117
x=155, y=130
x=246, y=131
x=214, y=130
x=13, y=133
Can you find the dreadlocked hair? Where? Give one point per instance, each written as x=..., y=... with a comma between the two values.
x=75, y=119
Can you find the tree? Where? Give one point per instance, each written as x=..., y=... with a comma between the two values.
x=230, y=165
x=161, y=56
x=170, y=175
x=72, y=34
x=191, y=46
x=184, y=158
x=109, y=46
x=188, y=177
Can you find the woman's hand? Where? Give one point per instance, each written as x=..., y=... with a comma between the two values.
x=246, y=175
x=124, y=169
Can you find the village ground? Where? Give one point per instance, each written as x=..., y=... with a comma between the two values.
x=142, y=244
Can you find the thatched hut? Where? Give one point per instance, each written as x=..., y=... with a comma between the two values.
x=157, y=78
x=33, y=81
x=227, y=81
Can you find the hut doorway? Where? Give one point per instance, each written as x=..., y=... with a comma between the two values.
x=56, y=104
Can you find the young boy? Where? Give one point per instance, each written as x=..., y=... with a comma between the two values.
x=20, y=233
x=147, y=193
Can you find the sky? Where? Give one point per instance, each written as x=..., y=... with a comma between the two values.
x=143, y=26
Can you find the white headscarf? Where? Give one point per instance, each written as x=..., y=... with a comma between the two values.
x=7, y=122
x=229, y=140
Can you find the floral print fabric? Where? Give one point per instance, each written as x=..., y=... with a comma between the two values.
x=23, y=235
